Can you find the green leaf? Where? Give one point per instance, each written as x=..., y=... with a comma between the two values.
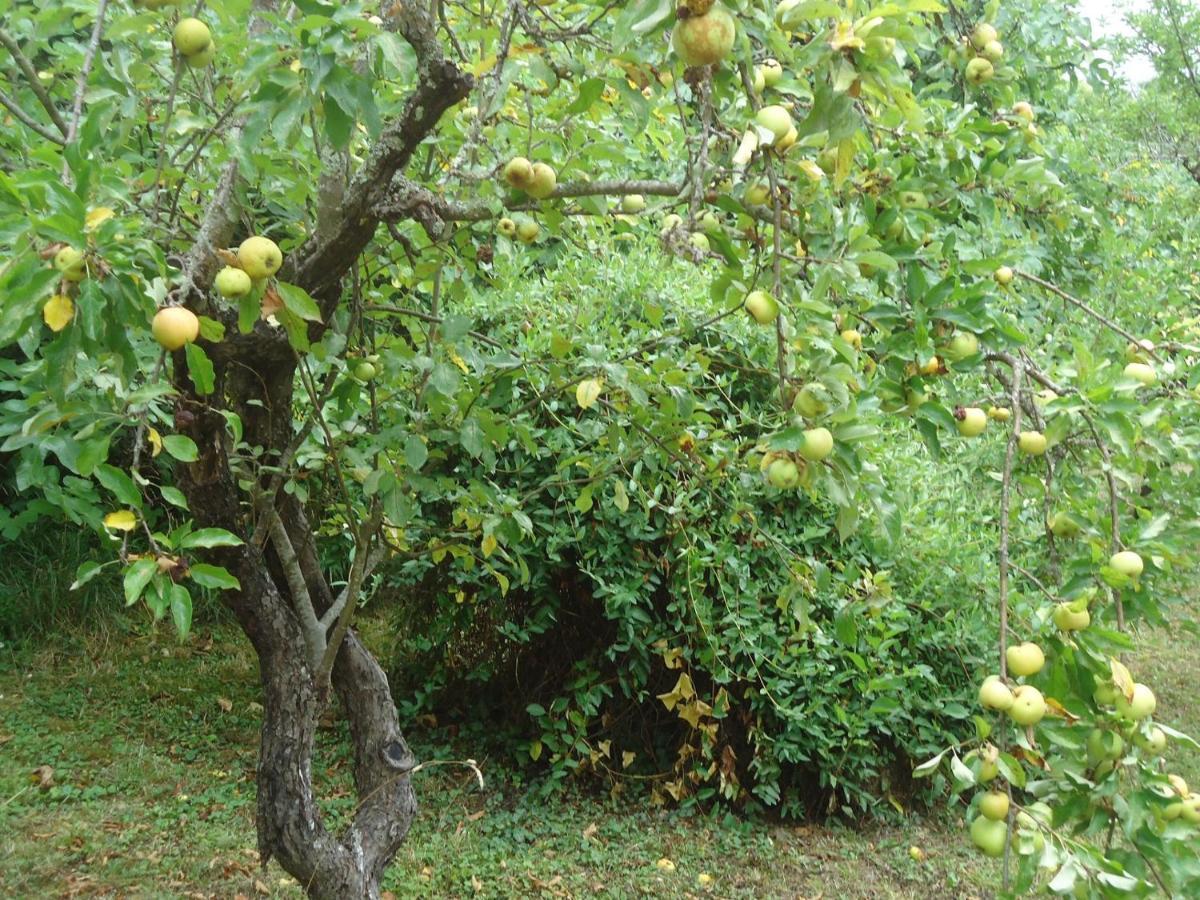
x=415, y=452
x=85, y=573
x=137, y=576
x=181, y=609
x=120, y=484
x=211, y=537
x=182, y=447
x=298, y=302
x=200, y=369
x=215, y=577
x=174, y=496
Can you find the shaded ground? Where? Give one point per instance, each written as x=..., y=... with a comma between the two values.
x=150, y=793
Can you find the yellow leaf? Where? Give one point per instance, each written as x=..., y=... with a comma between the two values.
x=811, y=169
x=458, y=361
x=692, y=712
x=58, y=312
x=682, y=691
x=673, y=658
x=588, y=392
x=535, y=750
x=96, y=217
x=666, y=865
x=155, y=441
x=488, y=545
x=604, y=747
x=627, y=759
x=1121, y=677
x=121, y=520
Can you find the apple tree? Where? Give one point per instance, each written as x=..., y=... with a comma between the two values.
x=236, y=235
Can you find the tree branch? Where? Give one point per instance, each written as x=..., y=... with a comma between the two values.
x=35, y=83
x=86, y=70
x=30, y=123
x=314, y=632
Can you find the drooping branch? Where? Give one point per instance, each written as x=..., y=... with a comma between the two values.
x=35, y=84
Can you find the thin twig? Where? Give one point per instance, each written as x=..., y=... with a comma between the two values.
x=35, y=83
x=1075, y=301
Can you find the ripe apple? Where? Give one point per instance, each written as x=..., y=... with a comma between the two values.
x=962, y=345
x=1127, y=563
x=1068, y=619
x=507, y=227
x=775, y=119
x=543, y=182
x=1023, y=109
x=1141, y=372
x=818, y=444
x=993, y=51
x=202, y=59
x=995, y=694
x=632, y=204
x=983, y=35
x=853, y=338
x=232, y=283
x=191, y=36
x=971, y=421
x=1025, y=659
x=704, y=40
x=772, y=72
x=1003, y=276
x=1140, y=706
x=699, y=241
x=518, y=172
x=1031, y=443
x=174, y=326
x=931, y=366
x=994, y=805
x=259, y=257
x=527, y=231
x=979, y=71
x=1028, y=705
x=762, y=307
x=1155, y=741
x=783, y=474
x=71, y=263
x=999, y=413
x=1105, y=694
x=989, y=836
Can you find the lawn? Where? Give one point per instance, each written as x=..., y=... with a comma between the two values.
x=127, y=768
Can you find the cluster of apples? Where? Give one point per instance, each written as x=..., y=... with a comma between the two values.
x=708, y=221
x=258, y=258
x=194, y=42
x=984, y=50
x=790, y=470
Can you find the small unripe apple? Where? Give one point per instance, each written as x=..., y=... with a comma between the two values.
x=232, y=283
x=989, y=836
x=507, y=227
x=786, y=142
x=518, y=172
x=760, y=81
x=993, y=51
x=1068, y=619
x=1031, y=443
x=191, y=36
x=1062, y=525
x=709, y=221
x=704, y=40
x=772, y=71
x=1127, y=563
x=1138, y=707
x=972, y=421
x=670, y=222
x=1003, y=276
x=544, y=180
x=528, y=230
x=999, y=413
x=783, y=474
x=1141, y=372
x=913, y=200
x=994, y=805
x=1105, y=694
x=1138, y=352
x=1025, y=659
x=202, y=59
x=632, y=204
x=174, y=326
x=962, y=345
x=71, y=263
x=699, y=241
x=365, y=371
x=1023, y=109
x=808, y=403
x=757, y=193
x=1029, y=707
x=979, y=71
x=259, y=257
x=995, y=694
x=1155, y=742
x=931, y=366
x=775, y=119
x=818, y=444
x=983, y=35
x=762, y=307
x=853, y=338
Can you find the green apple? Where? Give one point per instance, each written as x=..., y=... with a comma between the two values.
x=518, y=172
x=507, y=227
x=699, y=241
x=1138, y=707
x=202, y=59
x=528, y=230
x=1028, y=705
x=1031, y=443
x=962, y=345
x=983, y=35
x=1023, y=109
x=632, y=204
x=757, y=193
x=365, y=371
x=989, y=836
x=1155, y=741
x=1141, y=372
x=993, y=51
x=913, y=200
x=1105, y=694
x=995, y=694
x=259, y=257
x=232, y=283
x=191, y=36
x=999, y=413
x=1127, y=563
x=543, y=183
x=670, y=222
x=1139, y=352
x=994, y=805
x=704, y=40
x=809, y=402
x=763, y=308
x=979, y=71
x=818, y=444
x=775, y=119
x=1004, y=276
x=1103, y=745
x=71, y=263
x=709, y=221
x=1068, y=619
x=1025, y=659
x=971, y=421
x=174, y=326
x=772, y=72
x=1063, y=526
x=783, y=474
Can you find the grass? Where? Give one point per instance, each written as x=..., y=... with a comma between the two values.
x=151, y=750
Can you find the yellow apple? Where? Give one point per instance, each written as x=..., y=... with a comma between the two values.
x=994, y=805
x=507, y=227
x=1025, y=659
x=518, y=172
x=191, y=36
x=972, y=421
x=1028, y=705
x=174, y=326
x=1023, y=109
x=1141, y=372
x=1138, y=707
x=772, y=72
x=993, y=51
x=1127, y=563
x=999, y=413
x=528, y=230
x=259, y=257
x=775, y=119
x=1003, y=276
x=783, y=474
x=544, y=180
x=762, y=307
x=1068, y=619
x=979, y=71
x=232, y=282
x=995, y=694
x=1031, y=443
x=983, y=35
x=203, y=58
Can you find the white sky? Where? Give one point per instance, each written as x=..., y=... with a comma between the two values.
x=1108, y=19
